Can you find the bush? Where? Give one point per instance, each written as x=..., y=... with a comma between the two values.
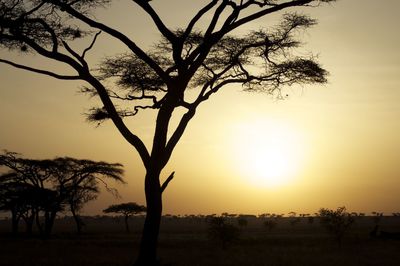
x=219, y=229
x=270, y=224
x=337, y=223
x=242, y=222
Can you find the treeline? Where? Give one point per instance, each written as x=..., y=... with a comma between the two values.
x=35, y=191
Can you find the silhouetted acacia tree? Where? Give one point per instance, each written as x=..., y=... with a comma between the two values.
x=11, y=195
x=206, y=58
x=27, y=182
x=127, y=210
x=78, y=182
x=49, y=186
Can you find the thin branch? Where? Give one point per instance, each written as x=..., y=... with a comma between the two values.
x=215, y=18
x=118, y=35
x=144, y=4
x=173, y=141
x=264, y=12
x=166, y=182
x=75, y=54
x=40, y=71
x=134, y=140
x=196, y=18
x=91, y=45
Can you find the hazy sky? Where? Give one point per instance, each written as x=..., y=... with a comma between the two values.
x=325, y=146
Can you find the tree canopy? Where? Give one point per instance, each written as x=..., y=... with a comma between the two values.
x=202, y=58
x=30, y=186
x=126, y=209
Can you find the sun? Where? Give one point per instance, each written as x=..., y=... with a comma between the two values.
x=267, y=153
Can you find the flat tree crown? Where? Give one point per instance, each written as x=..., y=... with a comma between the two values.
x=207, y=59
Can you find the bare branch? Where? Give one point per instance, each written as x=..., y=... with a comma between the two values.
x=75, y=54
x=91, y=45
x=40, y=71
x=134, y=140
x=180, y=129
x=196, y=18
x=144, y=4
x=264, y=12
x=116, y=34
x=166, y=182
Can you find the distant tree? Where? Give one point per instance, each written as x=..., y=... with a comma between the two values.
x=127, y=210
x=207, y=58
x=242, y=222
x=220, y=229
x=293, y=218
x=78, y=182
x=11, y=199
x=377, y=217
x=32, y=187
x=270, y=224
x=336, y=222
x=270, y=220
x=29, y=195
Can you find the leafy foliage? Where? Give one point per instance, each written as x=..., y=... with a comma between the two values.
x=127, y=209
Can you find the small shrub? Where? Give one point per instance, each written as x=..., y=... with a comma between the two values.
x=219, y=229
x=270, y=224
x=337, y=223
x=377, y=217
x=293, y=219
x=242, y=222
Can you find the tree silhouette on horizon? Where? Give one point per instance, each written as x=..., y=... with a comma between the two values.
x=126, y=209
x=31, y=187
x=203, y=59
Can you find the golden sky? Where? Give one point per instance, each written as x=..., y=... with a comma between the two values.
x=325, y=146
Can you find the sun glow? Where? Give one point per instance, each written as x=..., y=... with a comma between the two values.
x=268, y=153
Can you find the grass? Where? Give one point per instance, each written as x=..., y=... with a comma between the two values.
x=184, y=242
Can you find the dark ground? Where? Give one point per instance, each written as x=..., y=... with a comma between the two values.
x=184, y=242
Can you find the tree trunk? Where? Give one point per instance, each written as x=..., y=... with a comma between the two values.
x=29, y=224
x=148, y=245
x=78, y=220
x=50, y=216
x=38, y=224
x=14, y=222
x=126, y=224
x=29, y=218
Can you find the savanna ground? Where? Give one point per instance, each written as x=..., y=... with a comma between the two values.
x=185, y=242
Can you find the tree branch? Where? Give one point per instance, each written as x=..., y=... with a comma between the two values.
x=40, y=71
x=134, y=140
x=118, y=35
x=196, y=18
x=176, y=136
x=166, y=182
x=91, y=45
x=144, y=4
x=215, y=18
x=264, y=12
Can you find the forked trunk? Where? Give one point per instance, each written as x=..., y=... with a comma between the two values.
x=148, y=245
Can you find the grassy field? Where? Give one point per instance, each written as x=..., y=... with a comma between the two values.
x=184, y=241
